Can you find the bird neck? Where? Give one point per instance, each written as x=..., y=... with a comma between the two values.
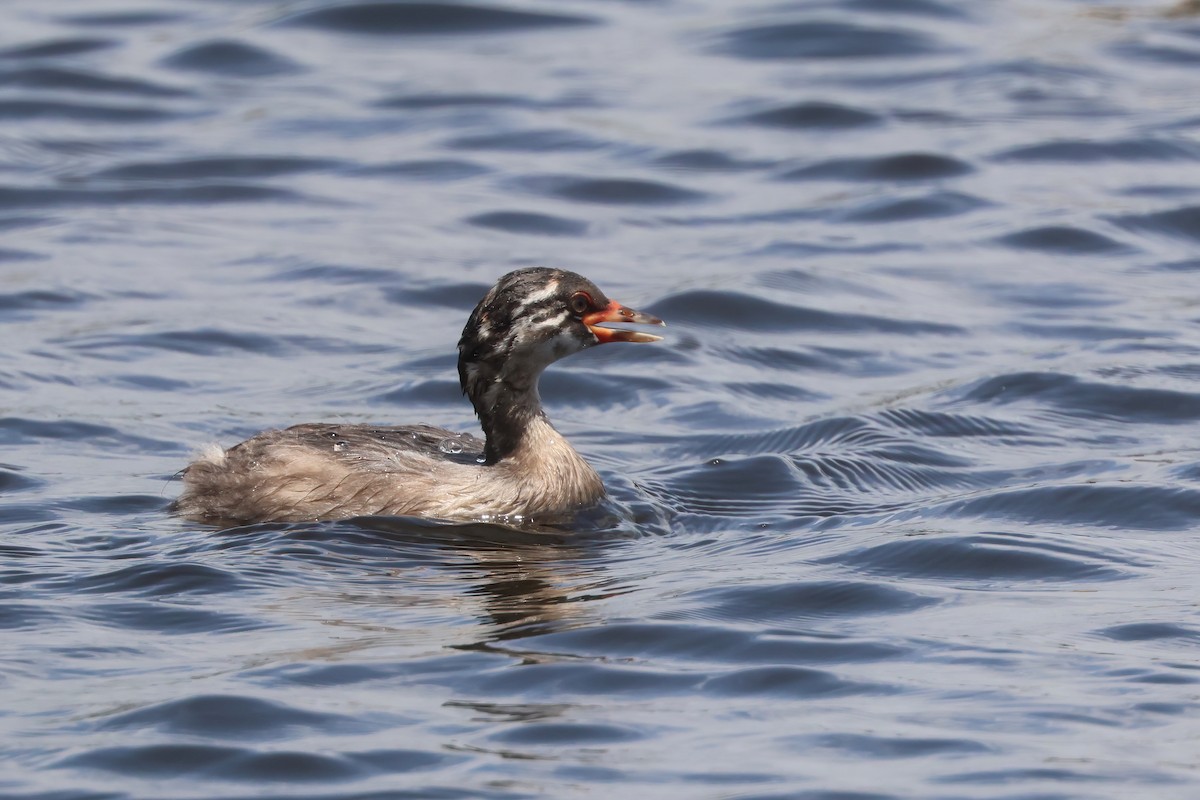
x=507, y=412
x=545, y=467
x=527, y=445
x=525, y=448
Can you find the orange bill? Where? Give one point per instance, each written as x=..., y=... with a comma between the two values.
x=615, y=312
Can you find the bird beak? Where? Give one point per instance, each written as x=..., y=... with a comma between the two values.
x=615, y=312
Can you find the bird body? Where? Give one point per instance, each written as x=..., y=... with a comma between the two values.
x=523, y=468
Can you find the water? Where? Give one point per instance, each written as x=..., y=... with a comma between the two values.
x=904, y=507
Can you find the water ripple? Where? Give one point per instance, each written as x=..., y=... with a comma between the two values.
x=1064, y=240
x=527, y=141
x=888, y=747
x=83, y=112
x=786, y=682
x=26, y=304
x=812, y=115
x=1082, y=151
x=610, y=191
x=413, y=19
x=931, y=206
x=57, y=79
x=203, y=193
x=123, y=19
x=1121, y=507
x=174, y=620
x=798, y=600
x=1182, y=222
x=1073, y=395
x=215, y=167
x=746, y=312
x=819, y=39
x=159, y=580
x=529, y=222
x=230, y=58
x=988, y=557
x=58, y=48
x=235, y=717
x=900, y=167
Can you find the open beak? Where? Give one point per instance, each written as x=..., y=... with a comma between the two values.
x=615, y=312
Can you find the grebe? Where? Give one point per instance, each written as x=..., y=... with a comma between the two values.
x=527, y=321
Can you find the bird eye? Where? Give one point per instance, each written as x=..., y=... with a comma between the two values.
x=580, y=302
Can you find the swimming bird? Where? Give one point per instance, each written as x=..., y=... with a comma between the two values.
x=522, y=469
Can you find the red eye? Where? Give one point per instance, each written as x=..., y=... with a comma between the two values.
x=580, y=302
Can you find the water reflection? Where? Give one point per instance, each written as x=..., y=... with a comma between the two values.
x=526, y=582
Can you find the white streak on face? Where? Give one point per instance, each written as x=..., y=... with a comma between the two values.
x=544, y=293
x=550, y=322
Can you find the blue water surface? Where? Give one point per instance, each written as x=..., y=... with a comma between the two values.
x=904, y=508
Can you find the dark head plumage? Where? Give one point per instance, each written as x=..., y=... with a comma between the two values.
x=518, y=318
x=531, y=318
